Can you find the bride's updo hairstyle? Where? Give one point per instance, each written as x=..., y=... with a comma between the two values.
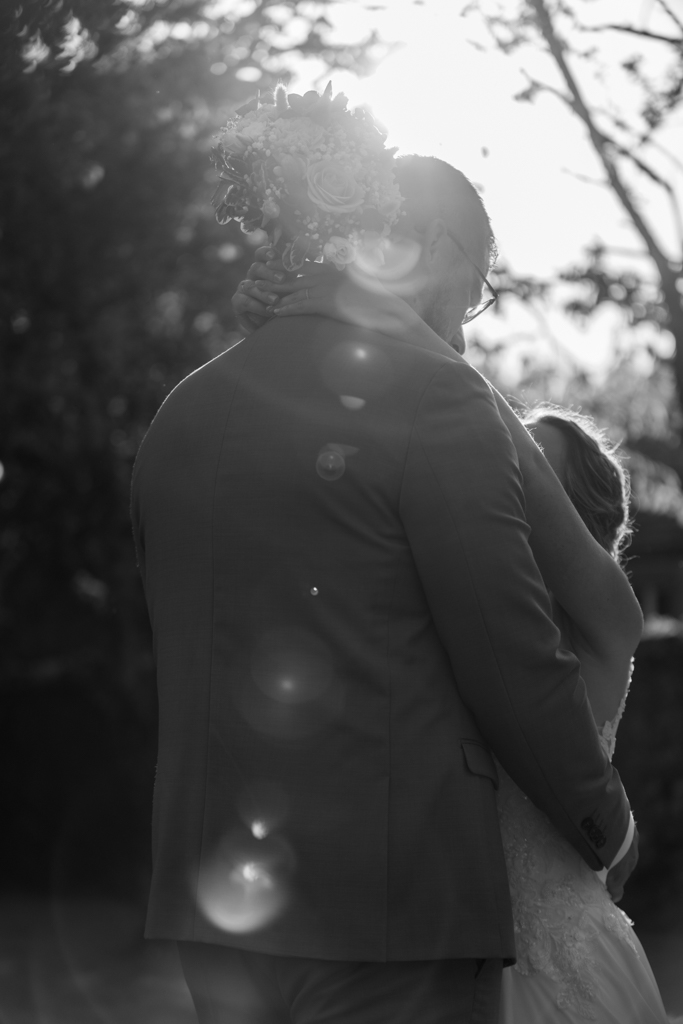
x=434, y=190
x=594, y=478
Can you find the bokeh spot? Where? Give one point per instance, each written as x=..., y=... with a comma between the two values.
x=242, y=887
x=330, y=465
x=351, y=402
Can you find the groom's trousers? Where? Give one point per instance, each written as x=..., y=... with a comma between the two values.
x=233, y=986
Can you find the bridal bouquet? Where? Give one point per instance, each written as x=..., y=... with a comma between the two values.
x=313, y=174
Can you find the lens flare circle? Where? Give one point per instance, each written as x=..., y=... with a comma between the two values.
x=351, y=402
x=242, y=900
x=242, y=887
x=359, y=372
x=292, y=690
x=259, y=829
x=401, y=257
x=330, y=466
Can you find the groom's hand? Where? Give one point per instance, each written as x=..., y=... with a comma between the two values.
x=619, y=874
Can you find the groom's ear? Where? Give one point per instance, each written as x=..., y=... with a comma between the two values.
x=457, y=341
x=435, y=237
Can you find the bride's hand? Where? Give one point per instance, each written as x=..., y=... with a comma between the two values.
x=321, y=289
x=348, y=296
x=619, y=874
x=253, y=295
x=265, y=284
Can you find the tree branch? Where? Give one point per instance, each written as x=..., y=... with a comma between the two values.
x=653, y=176
x=526, y=95
x=585, y=178
x=665, y=7
x=674, y=40
x=536, y=14
x=599, y=140
x=669, y=278
x=535, y=86
x=649, y=141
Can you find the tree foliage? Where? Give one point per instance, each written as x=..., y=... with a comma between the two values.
x=115, y=282
x=626, y=98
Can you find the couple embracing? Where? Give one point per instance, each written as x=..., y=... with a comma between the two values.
x=392, y=645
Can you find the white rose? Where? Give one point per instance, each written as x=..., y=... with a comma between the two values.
x=340, y=251
x=332, y=187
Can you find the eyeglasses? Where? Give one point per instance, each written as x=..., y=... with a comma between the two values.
x=475, y=310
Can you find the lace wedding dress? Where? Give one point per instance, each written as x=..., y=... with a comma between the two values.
x=578, y=958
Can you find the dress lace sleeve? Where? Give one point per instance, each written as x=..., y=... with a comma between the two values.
x=558, y=902
x=608, y=731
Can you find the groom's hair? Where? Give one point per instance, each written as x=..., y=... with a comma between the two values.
x=432, y=190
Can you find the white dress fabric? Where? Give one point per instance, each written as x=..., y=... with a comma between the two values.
x=578, y=958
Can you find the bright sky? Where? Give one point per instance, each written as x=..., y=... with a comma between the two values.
x=442, y=95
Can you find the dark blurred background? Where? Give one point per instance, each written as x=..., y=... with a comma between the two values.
x=115, y=282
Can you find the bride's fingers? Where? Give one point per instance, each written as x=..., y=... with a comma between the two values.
x=275, y=263
x=318, y=293
x=261, y=257
x=251, y=305
x=297, y=284
x=260, y=271
x=264, y=252
x=249, y=313
x=256, y=270
x=249, y=299
x=304, y=306
x=245, y=304
x=264, y=291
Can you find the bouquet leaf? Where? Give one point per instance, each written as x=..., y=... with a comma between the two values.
x=295, y=254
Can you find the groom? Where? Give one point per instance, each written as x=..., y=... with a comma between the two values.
x=347, y=621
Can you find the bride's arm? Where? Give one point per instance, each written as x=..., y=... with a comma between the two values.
x=584, y=579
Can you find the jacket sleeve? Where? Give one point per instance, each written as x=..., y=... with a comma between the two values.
x=462, y=507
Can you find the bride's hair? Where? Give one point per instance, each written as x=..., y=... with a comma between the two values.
x=595, y=479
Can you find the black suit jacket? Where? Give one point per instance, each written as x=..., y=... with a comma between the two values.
x=347, y=619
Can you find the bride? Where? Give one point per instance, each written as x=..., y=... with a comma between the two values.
x=578, y=957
